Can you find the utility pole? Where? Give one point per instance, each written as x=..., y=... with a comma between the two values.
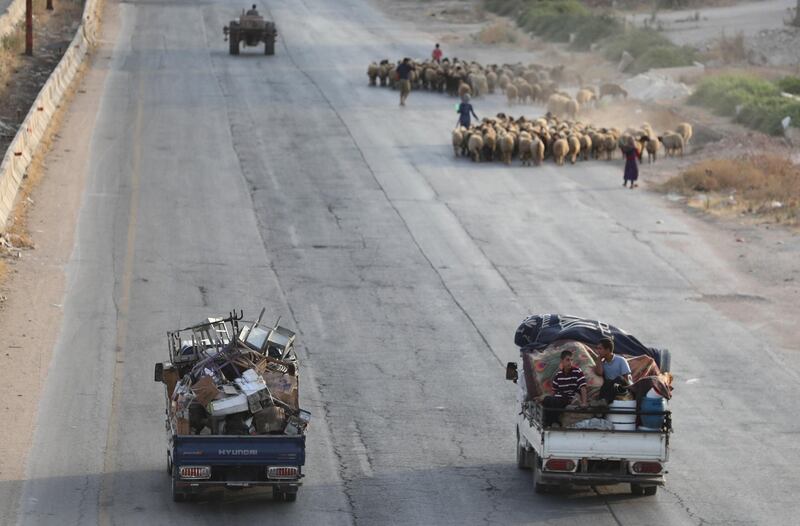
x=29, y=27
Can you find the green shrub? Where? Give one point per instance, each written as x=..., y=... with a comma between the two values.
x=766, y=114
x=754, y=102
x=725, y=92
x=663, y=57
x=503, y=7
x=636, y=42
x=789, y=85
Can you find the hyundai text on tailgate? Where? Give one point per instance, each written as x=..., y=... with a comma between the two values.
x=232, y=409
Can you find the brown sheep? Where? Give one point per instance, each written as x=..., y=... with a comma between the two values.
x=612, y=90
x=503, y=81
x=560, y=151
x=511, y=93
x=673, y=143
x=557, y=104
x=685, y=130
x=525, y=148
x=524, y=92
x=475, y=145
x=586, y=146
x=489, y=142
x=609, y=145
x=652, y=149
x=537, y=150
x=571, y=109
x=584, y=97
x=491, y=80
x=574, y=148
x=506, y=143
x=458, y=139
x=464, y=89
x=373, y=70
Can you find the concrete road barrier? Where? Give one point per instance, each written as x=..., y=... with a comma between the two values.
x=12, y=17
x=20, y=152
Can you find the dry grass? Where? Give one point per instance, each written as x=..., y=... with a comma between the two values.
x=11, y=48
x=759, y=185
x=501, y=32
x=16, y=232
x=730, y=50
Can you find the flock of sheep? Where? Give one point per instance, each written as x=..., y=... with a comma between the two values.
x=521, y=84
x=558, y=135
x=534, y=140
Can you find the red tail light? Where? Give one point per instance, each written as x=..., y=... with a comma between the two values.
x=195, y=472
x=283, y=472
x=646, y=467
x=560, y=464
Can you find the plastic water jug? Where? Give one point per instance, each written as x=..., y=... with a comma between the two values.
x=653, y=404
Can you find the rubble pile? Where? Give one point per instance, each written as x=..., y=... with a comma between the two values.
x=228, y=377
x=775, y=47
x=655, y=87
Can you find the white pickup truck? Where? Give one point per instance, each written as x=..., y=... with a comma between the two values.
x=561, y=456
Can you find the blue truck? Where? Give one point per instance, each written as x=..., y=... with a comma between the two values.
x=232, y=414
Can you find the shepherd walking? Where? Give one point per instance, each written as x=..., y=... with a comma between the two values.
x=632, y=157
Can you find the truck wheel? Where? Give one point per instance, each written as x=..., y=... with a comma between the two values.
x=650, y=490
x=233, y=40
x=538, y=486
x=637, y=489
x=269, y=46
x=522, y=455
x=177, y=496
x=169, y=463
x=283, y=496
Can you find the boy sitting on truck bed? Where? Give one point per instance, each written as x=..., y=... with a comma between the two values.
x=568, y=381
x=613, y=368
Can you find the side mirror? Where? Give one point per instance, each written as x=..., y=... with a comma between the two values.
x=158, y=373
x=511, y=372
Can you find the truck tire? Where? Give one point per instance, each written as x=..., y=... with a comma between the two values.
x=649, y=491
x=522, y=455
x=233, y=40
x=637, y=489
x=536, y=468
x=169, y=463
x=283, y=496
x=177, y=496
x=269, y=45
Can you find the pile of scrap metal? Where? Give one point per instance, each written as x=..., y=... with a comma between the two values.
x=231, y=377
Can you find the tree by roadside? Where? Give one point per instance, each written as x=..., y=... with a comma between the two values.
x=796, y=21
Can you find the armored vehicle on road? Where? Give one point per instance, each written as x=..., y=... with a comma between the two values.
x=250, y=30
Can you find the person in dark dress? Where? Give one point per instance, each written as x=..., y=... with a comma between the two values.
x=632, y=158
x=464, y=111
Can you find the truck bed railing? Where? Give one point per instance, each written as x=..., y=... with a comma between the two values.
x=534, y=412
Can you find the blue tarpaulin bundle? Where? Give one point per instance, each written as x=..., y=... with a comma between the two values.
x=540, y=330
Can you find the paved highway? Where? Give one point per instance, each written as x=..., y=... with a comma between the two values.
x=216, y=182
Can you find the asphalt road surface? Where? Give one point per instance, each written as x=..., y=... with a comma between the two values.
x=217, y=182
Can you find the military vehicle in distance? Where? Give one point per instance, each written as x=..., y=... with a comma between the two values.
x=251, y=29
